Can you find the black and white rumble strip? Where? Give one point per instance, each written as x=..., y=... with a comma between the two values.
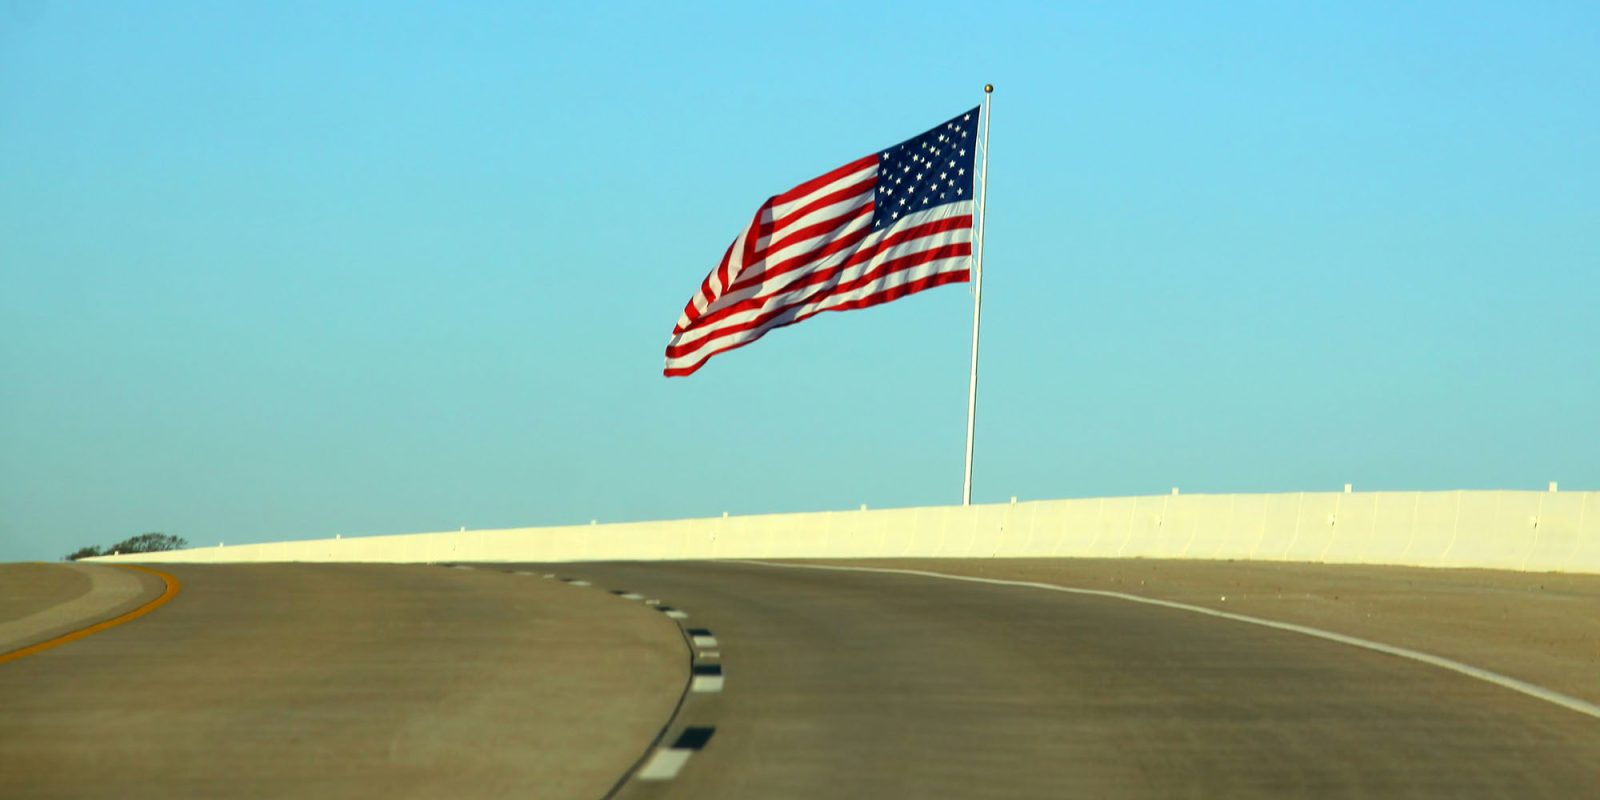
x=705, y=677
x=704, y=644
x=665, y=763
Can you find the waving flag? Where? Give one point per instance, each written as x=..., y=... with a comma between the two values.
x=876, y=229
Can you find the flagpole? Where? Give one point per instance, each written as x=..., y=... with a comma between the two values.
x=977, y=297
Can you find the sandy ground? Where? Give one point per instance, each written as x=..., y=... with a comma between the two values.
x=1543, y=628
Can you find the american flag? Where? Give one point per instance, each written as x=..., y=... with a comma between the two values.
x=876, y=229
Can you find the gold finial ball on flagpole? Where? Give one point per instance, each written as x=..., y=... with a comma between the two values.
x=987, y=88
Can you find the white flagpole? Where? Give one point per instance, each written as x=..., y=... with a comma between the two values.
x=977, y=297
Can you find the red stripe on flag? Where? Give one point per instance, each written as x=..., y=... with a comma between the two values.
x=713, y=313
x=929, y=282
x=813, y=248
x=801, y=260
x=826, y=200
x=883, y=270
x=824, y=179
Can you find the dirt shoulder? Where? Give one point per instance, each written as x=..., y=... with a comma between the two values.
x=1543, y=628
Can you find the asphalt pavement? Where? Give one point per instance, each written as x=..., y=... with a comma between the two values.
x=417, y=681
x=40, y=602
x=852, y=685
x=334, y=681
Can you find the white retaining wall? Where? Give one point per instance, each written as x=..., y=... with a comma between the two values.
x=1536, y=531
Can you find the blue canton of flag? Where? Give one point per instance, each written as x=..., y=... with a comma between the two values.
x=926, y=170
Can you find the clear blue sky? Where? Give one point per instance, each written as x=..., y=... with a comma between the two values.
x=289, y=270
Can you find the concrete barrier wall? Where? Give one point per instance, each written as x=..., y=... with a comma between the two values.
x=1539, y=531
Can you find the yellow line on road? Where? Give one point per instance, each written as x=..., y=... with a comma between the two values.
x=171, y=591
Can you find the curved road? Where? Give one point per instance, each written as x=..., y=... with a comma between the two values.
x=351, y=680
x=317, y=681
x=844, y=684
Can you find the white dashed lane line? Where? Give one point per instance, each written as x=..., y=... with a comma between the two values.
x=666, y=762
x=705, y=677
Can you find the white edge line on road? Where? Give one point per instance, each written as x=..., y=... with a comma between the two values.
x=664, y=765
x=1503, y=681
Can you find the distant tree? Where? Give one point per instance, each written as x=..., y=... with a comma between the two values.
x=84, y=552
x=149, y=543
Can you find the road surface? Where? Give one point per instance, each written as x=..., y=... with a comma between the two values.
x=359, y=681
x=416, y=681
x=844, y=685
